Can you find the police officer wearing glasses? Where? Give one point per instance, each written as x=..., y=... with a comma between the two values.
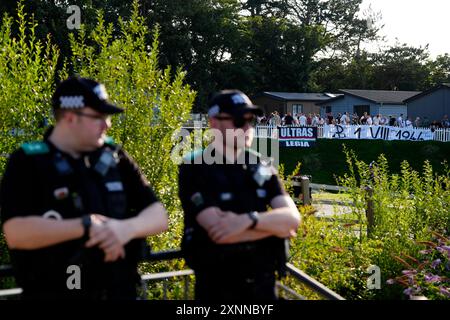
x=237, y=214
x=75, y=207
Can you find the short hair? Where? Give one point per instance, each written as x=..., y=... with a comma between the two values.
x=59, y=114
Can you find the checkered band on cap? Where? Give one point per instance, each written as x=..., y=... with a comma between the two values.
x=214, y=111
x=71, y=102
x=77, y=93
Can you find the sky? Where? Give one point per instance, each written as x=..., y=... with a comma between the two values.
x=415, y=22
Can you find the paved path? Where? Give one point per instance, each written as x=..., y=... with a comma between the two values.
x=328, y=210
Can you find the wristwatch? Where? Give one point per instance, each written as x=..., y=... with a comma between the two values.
x=86, y=222
x=253, y=215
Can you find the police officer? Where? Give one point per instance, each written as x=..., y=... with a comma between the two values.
x=75, y=207
x=237, y=214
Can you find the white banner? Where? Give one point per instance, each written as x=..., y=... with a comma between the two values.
x=376, y=132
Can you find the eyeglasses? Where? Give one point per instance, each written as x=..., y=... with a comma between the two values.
x=239, y=122
x=101, y=117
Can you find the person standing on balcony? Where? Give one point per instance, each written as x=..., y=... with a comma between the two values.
x=315, y=120
x=288, y=119
x=237, y=215
x=445, y=122
x=400, y=121
x=75, y=207
x=302, y=120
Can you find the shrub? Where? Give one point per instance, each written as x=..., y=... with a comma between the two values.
x=408, y=208
x=156, y=102
x=27, y=74
x=429, y=275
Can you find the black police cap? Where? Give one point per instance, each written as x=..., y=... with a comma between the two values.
x=232, y=102
x=76, y=92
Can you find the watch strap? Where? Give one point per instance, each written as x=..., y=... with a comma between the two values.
x=86, y=222
x=253, y=215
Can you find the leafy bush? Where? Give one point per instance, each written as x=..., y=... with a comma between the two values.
x=408, y=208
x=27, y=74
x=156, y=102
x=430, y=274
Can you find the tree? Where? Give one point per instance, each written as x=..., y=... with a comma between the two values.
x=51, y=17
x=440, y=70
x=277, y=53
x=252, y=45
x=402, y=67
x=268, y=8
x=27, y=72
x=196, y=35
x=156, y=102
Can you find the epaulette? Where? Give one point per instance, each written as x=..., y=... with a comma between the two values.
x=34, y=148
x=253, y=152
x=110, y=141
x=192, y=155
x=266, y=161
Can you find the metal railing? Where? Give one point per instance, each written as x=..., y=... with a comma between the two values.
x=303, y=278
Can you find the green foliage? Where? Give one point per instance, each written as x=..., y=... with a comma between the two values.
x=220, y=48
x=429, y=275
x=402, y=67
x=440, y=70
x=258, y=45
x=331, y=253
x=288, y=179
x=408, y=208
x=197, y=36
x=156, y=103
x=326, y=160
x=27, y=73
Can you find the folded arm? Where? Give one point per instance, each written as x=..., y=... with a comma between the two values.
x=229, y=227
x=35, y=232
x=113, y=234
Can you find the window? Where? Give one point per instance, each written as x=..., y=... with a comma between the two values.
x=327, y=109
x=297, y=108
x=361, y=109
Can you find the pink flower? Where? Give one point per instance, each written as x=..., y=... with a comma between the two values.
x=431, y=278
x=408, y=291
x=444, y=291
x=447, y=248
x=444, y=250
x=409, y=272
x=435, y=263
x=390, y=281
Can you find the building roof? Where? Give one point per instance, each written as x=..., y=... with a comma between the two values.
x=290, y=96
x=378, y=96
x=430, y=91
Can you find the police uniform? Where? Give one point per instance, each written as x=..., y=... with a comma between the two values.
x=41, y=180
x=231, y=271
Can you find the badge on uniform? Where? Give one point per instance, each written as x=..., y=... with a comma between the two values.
x=106, y=161
x=114, y=186
x=197, y=199
x=263, y=174
x=226, y=196
x=261, y=193
x=61, y=193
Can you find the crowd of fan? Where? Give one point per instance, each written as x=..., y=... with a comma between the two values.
x=313, y=119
